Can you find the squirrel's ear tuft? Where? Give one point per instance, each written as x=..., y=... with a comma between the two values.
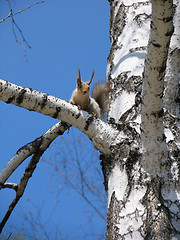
x=91, y=78
x=78, y=78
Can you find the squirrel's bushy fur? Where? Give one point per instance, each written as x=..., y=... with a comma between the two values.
x=98, y=103
x=100, y=93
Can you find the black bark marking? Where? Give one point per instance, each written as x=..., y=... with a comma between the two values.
x=170, y=32
x=44, y=100
x=55, y=115
x=161, y=113
x=1, y=88
x=21, y=96
x=88, y=122
x=10, y=99
x=163, y=68
x=107, y=165
x=156, y=44
x=78, y=115
x=112, y=231
x=167, y=19
x=65, y=126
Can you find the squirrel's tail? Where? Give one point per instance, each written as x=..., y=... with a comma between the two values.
x=100, y=92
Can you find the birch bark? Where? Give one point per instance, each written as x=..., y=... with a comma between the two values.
x=98, y=131
x=142, y=177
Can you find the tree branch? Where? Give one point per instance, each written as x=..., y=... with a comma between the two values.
x=37, y=147
x=31, y=148
x=15, y=24
x=102, y=134
x=153, y=140
x=9, y=185
x=22, y=10
x=22, y=185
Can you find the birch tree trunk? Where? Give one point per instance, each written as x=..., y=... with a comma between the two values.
x=142, y=174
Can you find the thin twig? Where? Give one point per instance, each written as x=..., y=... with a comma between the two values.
x=11, y=14
x=24, y=40
x=14, y=24
x=9, y=236
x=22, y=10
x=79, y=192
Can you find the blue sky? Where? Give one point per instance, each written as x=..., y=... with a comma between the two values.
x=63, y=36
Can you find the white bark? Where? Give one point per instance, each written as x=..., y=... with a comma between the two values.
x=153, y=141
x=101, y=133
x=142, y=186
x=129, y=51
x=129, y=36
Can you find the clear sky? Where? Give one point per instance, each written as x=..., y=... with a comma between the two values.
x=63, y=36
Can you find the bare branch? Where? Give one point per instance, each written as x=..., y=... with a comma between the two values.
x=103, y=135
x=22, y=10
x=80, y=192
x=22, y=185
x=9, y=185
x=37, y=147
x=24, y=40
x=9, y=236
x=78, y=171
x=15, y=24
x=42, y=143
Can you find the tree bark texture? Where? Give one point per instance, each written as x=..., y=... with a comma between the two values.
x=100, y=133
x=142, y=172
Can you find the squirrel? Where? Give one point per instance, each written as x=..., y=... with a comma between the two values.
x=98, y=103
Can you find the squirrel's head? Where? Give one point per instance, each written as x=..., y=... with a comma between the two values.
x=83, y=87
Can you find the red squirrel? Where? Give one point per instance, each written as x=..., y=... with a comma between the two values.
x=98, y=103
